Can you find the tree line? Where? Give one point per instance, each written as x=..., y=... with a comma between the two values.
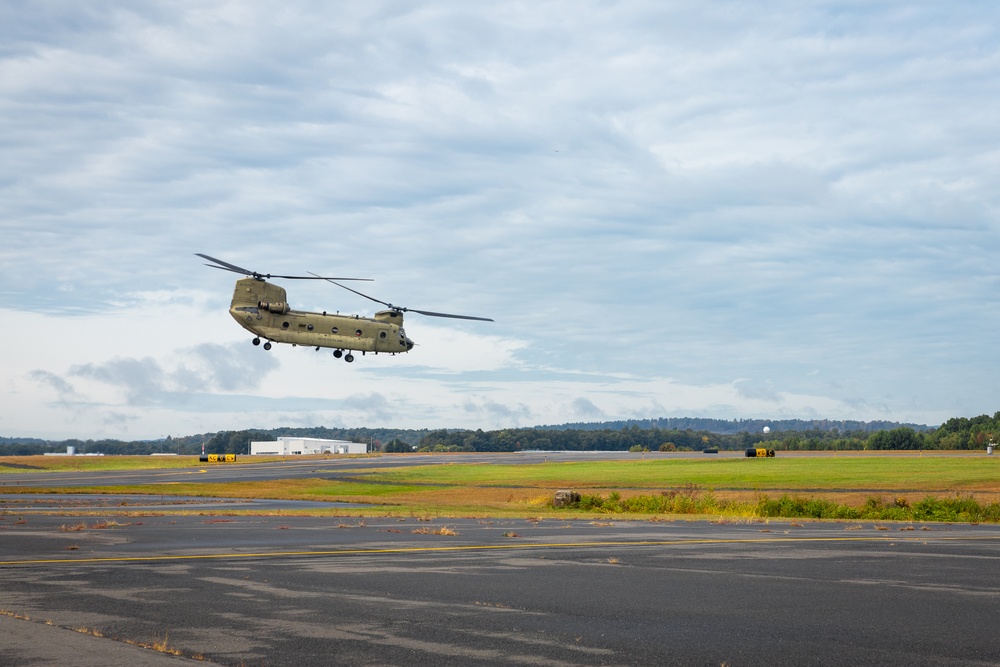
x=957, y=433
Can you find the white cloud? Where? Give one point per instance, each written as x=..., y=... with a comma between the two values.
x=720, y=211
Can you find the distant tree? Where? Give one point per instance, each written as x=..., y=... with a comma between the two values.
x=397, y=446
x=898, y=438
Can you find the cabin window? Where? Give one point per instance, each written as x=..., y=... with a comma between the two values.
x=381, y=335
x=284, y=325
x=310, y=327
x=358, y=332
x=334, y=330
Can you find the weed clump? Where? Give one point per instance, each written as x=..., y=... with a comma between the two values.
x=687, y=500
x=692, y=500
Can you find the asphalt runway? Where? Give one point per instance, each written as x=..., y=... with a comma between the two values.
x=271, y=591
x=134, y=588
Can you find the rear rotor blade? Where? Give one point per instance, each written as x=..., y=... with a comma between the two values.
x=226, y=266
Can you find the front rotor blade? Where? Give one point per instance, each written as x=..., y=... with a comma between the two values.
x=454, y=317
x=333, y=280
x=315, y=277
x=406, y=310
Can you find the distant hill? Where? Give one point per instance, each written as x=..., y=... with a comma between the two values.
x=734, y=426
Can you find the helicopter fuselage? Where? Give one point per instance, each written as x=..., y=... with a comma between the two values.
x=262, y=308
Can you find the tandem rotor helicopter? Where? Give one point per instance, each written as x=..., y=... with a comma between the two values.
x=262, y=309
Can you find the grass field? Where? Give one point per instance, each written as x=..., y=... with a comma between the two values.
x=846, y=473
x=822, y=486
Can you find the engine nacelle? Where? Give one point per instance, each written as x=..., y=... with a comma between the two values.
x=277, y=307
x=390, y=316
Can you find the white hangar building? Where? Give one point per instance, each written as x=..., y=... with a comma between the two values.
x=290, y=446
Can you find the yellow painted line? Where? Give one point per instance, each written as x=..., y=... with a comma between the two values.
x=495, y=547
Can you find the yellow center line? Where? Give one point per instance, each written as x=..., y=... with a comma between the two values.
x=492, y=547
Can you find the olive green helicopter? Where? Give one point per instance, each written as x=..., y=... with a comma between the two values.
x=262, y=309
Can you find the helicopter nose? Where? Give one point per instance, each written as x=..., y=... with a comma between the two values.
x=409, y=344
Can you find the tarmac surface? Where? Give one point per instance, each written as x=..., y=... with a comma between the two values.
x=130, y=587
x=333, y=467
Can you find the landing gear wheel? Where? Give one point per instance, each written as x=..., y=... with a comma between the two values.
x=349, y=357
x=256, y=341
x=338, y=353
x=267, y=345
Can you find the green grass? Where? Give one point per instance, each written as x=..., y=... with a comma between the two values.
x=807, y=473
x=821, y=486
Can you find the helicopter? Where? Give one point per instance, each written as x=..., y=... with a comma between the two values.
x=262, y=309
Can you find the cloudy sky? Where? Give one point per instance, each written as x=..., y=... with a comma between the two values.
x=768, y=209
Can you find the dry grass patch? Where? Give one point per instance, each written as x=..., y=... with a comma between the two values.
x=474, y=497
x=99, y=525
x=443, y=530
x=161, y=647
x=89, y=631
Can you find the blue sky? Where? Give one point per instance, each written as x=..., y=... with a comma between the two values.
x=728, y=209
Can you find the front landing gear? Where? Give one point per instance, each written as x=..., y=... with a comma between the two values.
x=347, y=357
